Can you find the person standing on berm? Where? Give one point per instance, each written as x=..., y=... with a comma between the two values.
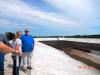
x=27, y=49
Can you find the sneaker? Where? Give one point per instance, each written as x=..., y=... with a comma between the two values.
x=23, y=69
x=29, y=67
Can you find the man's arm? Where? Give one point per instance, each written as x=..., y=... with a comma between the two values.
x=33, y=42
x=6, y=49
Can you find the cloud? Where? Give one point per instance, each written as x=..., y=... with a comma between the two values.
x=78, y=6
x=75, y=16
x=84, y=12
x=80, y=10
x=21, y=11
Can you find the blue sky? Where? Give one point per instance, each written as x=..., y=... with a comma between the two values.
x=51, y=17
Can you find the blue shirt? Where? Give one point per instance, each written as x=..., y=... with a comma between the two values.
x=27, y=43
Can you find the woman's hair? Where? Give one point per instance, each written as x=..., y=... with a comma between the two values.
x=10, y=35
x=18, y=33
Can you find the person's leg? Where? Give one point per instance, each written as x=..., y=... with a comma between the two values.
x=24, y=57
x=20, y=58
x=29, y=60
x=14, y=64
x=2, y=69
x=17, y=65
x=2, y=63
x=2, y=72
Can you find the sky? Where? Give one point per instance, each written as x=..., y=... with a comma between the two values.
x=50, y=17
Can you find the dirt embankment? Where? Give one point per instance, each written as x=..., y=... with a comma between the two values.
x=77, y=50
x=71, y=44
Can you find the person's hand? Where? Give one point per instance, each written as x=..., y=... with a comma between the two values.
x=17, y=52
x=20, y=54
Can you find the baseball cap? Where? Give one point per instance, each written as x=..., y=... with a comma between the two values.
x=26, y=30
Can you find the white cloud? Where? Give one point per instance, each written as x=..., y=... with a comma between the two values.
x=79, y=10
x=84, y=12
x=79, y=7
x=22, y=11
x=75, y=16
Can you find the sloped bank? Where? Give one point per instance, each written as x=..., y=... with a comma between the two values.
x=77, y=50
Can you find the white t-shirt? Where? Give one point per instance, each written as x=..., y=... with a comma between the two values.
x=15, y=43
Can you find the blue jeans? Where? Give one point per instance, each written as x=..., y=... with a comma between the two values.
x=15, y=67
x=2, y=58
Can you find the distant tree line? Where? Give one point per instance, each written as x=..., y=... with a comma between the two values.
x=74, y=36
x=10, y=36
x=84, y=36
x=47, y=36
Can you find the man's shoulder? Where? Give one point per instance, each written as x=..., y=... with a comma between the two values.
x=1, y=34
x=2, y=37
x=31, y=36
x=22, y=36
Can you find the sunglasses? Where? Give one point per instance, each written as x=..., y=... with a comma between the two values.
x=26, y=31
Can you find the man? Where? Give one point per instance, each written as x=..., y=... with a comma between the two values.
x=3, y=41
x=27, y=49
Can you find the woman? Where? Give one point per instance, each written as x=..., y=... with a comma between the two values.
x=16, y=44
